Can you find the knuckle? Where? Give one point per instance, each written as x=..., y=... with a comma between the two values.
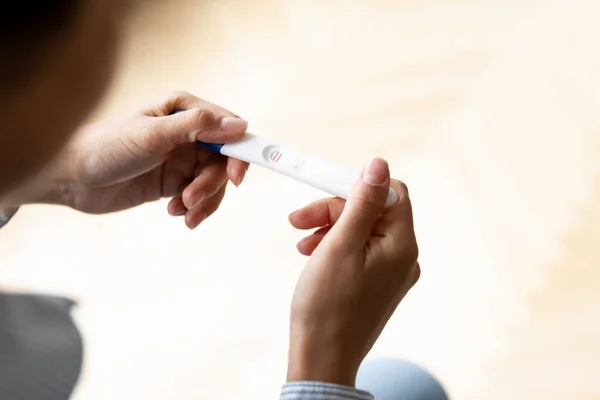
x=402, y=186
x=335, y=207
x=402, y=191
x=408, y=253
x=203, y=119
x=415, y=274
x=365, y=208
x=408, y=270
x=403, y=204
x=411, y=252
x=178, y=94
x=365, y=201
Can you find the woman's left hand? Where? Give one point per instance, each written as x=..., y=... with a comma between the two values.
x=122, y=163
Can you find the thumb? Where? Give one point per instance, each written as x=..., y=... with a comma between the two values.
x=364, y=205
x=198, y=124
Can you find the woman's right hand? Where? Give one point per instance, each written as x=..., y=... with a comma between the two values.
x=363, y=262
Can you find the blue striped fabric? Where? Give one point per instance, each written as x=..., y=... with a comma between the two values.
x=6, y=215
x=321, y=391
x=40, y=348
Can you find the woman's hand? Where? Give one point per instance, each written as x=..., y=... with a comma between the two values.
x=363, y=262
x=118, y=164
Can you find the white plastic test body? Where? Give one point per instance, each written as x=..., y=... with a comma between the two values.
x=321, y=174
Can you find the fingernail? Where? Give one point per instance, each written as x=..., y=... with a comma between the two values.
x=201, y=219
x=239, y=179
x=196, y=199
x=179, y=213
x=233, y=125
x=376, y=172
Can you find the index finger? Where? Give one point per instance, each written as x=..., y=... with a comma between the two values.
x=181, y=101
x=320, y=213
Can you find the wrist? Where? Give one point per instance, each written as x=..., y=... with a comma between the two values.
x=317, y=361
x=49, y=186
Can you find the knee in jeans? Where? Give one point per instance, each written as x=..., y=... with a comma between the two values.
x=395, y=379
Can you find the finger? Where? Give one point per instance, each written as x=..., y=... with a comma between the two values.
x=236, y=170
x=320, y=213
x=308, y=245
x=176, y=207
x=211, y=178
x=363, y=207
x=196, y=124
x=202, y=211
x=184, y=118
x=181, y=100
x=178, y=171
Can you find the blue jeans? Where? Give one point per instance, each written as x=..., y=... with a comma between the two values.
x=394, y=379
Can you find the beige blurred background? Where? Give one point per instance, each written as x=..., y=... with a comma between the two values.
x=489, y=110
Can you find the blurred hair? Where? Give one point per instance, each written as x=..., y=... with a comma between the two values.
x=27, y=32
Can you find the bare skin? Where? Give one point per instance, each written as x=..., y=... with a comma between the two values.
x=125, y=162
x=363, y=261
x=363, y=258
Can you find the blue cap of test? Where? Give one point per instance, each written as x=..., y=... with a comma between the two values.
x=216, y=147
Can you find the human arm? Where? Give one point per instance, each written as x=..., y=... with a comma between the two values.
x=363, y=262
x=127, y=161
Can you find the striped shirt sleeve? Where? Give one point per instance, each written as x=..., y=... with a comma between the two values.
x=6, y=215
x=321, y=391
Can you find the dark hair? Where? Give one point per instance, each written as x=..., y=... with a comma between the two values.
x=26, y=31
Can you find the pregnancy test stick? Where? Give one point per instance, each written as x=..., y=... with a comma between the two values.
x=321, y=174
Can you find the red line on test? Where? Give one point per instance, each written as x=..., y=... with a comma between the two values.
x=276, y=156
